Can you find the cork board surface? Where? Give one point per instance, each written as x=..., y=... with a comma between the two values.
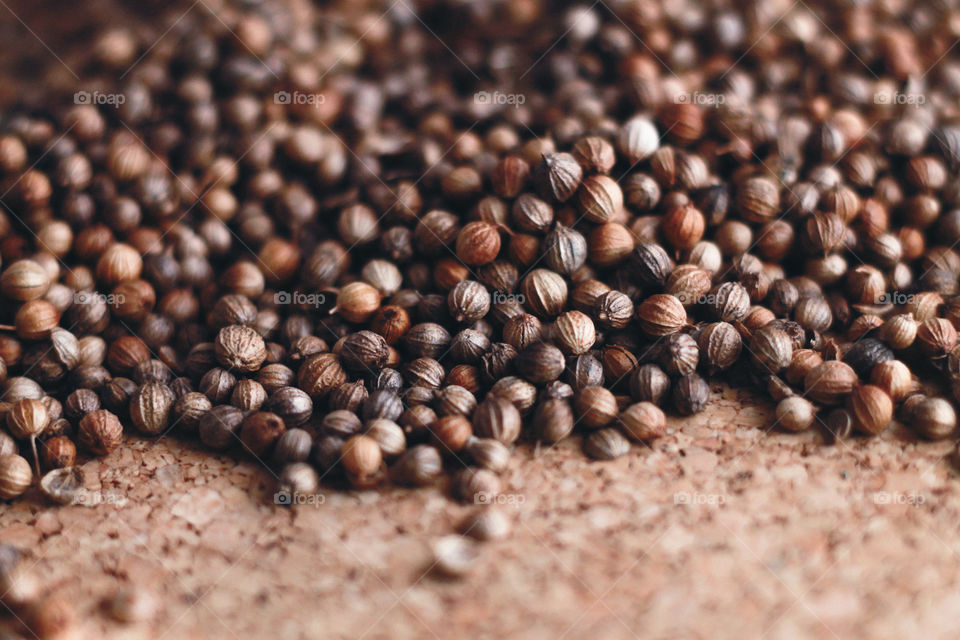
x=721, y=529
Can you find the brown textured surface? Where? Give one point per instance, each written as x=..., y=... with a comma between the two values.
x=790, y=539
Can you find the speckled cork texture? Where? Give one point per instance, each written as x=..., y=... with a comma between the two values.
x=720, y=530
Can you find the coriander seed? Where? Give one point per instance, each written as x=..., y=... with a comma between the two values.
x=934, y=418
x=720, y=344
x=454, y=556
x=553, y=420
x=599, y=198
x=540, y=363
x=362, y=460
x=35, y=319
x=150, y=408
x=488, y=453
x=678, y=354
x=455, y=400
x=690, y=394
x=418, y=466
x=613, y=309
x=298, y=478
x=545, y=292
x=100, y=432
x=15, y=476
x=866, y=354
x=557, y=176
x=363, y=351
x=649, y=383
x=770, y=349
x=357, y=302
x=427, y=340
x=830, y=382
x=62, y=485
x=643, y=421
x=55, y=453
x=661, y=314
x=565, y=249
x=497, y=418
x=218, y=427
x=595, y=407
x=451, y=433
x=486, y=525
x=320, y=374
x=871, y=409
x=894, y=377
x=248, y=395
x=188, y=409
x=468, y=301
x=260, y=431
x=936, y=337
x=795, y=413
x=239, y=347
x=606, y=444
x=574, y=332
x=24, y=280
x=476, y=486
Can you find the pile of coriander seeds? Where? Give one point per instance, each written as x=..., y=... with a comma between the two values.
x=375, y=243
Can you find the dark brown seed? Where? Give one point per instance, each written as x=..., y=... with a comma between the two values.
x=364, y=351
x=557, y=176
x=540, y=363
x=678, y=354
x=100, y=432
x=497, y=418
x=260, y=431
x=418, y=466
x=606, y=444
x=218, y=427
x=553, y=420
x=690, y=394
x=865, y=354
x=648, y=383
